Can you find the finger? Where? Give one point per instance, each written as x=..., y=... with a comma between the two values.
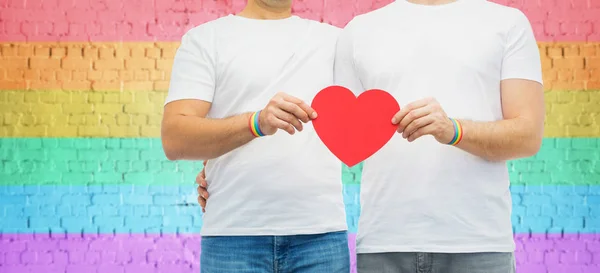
x=412, y=116
x=312, y=114
x=203, y=192
x=302, y=104
x=426, y=130
x=280, y=124
x=417, y=124
x=201, y=181
x=294, y=109
x=204, y=163
x=199, y=178
x=289, y=118
x=408, y=108
x=200, y=191
x=202, y=203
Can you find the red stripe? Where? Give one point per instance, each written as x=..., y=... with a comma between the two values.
x=167, y=20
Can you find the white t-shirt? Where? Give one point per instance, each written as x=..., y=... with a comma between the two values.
x=275, y=185
x=426, y=196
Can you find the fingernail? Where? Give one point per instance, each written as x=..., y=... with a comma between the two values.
x=394, y=120
x=314, y=115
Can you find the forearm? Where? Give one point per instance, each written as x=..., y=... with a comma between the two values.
x=501, y=140
x=195, y=138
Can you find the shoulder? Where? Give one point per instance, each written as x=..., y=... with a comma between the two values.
x=203, y=35
x=323, y=29
x=206, y=29
x=510, y=17
x=366, y=21
x=496, y=8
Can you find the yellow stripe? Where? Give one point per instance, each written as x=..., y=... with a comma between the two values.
x=133, y=66
x=572, y=114
x=138, y=114
x=252, y=126
x=80, y=113
x=458, y=132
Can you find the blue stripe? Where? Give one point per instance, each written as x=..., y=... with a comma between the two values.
x=173, y=209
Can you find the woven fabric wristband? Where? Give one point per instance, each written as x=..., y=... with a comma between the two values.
x=254, y=128
x=458, y=132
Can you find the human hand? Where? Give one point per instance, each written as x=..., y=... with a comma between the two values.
x=285, y=112
x=202, y=188
x=424, y=117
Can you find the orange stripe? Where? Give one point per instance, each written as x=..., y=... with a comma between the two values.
x=86, y=66
x=147, y=66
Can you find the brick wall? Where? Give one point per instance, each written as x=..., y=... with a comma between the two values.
x=85, y=186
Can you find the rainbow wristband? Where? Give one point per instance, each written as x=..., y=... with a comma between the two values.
x=458, y=132
x=254, y=128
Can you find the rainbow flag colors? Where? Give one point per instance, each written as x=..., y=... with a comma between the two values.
x=85, y=186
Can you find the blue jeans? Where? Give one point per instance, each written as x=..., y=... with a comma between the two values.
x=326, y=253
x=407, y=262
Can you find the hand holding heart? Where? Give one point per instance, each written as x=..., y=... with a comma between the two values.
x=354, y=128
x=285, y=112
x=424, y=117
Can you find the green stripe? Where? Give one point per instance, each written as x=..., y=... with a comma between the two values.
x=78, y=161
x=560, y=161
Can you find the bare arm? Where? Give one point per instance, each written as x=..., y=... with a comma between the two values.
x=188, y=135
x=519, y=134
x=521, y=131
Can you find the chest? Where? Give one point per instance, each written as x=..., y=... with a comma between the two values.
x=248, y=74
x=462, y=49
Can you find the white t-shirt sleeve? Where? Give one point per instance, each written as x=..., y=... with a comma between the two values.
x=521, y=55
x=193, y=72
x=344, y=69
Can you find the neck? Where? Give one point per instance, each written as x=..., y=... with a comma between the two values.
x=430, y=2
x=260, y=9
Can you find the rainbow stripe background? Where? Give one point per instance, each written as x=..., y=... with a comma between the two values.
x=85, y=186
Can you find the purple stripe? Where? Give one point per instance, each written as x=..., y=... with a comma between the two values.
x=568, y=253
x=20, y=253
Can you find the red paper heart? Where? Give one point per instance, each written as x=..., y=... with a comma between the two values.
x=352, y=128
